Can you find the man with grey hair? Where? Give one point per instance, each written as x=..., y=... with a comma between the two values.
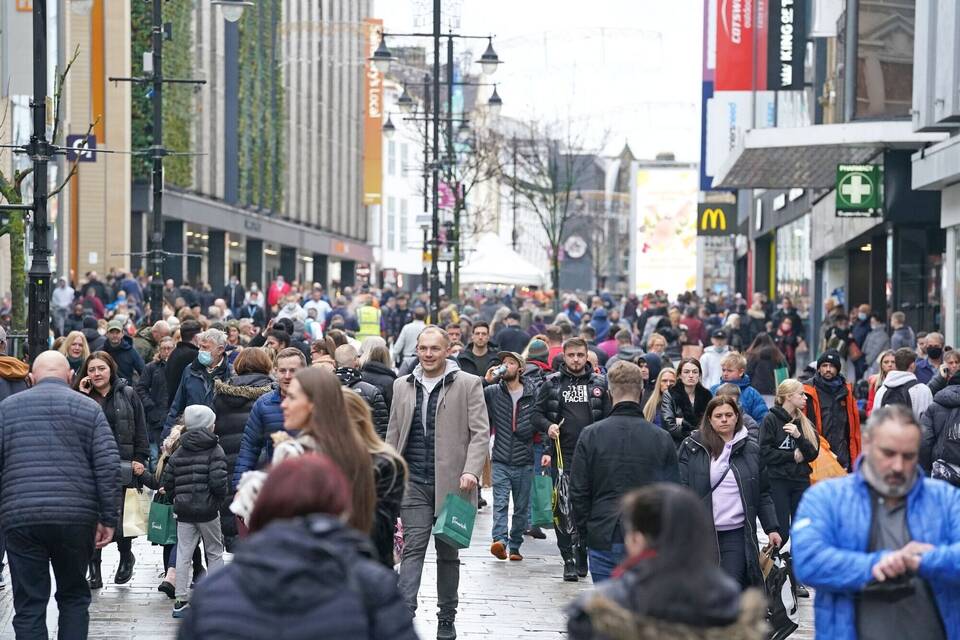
x=881, y=546
x=348, y=372
x=928, y=366
x=198, y=381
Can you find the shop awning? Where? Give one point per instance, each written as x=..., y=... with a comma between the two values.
x=807, y=157
x=494, y=262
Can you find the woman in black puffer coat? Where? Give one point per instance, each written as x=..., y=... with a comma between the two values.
x=376, y=369
x=341, y=593
x=232, y=405
x=98, y=379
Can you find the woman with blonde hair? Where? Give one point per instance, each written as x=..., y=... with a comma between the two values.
x=76, y=350
x=389, y=472
x=788, y=444
x=665, y=381
x=887, y=364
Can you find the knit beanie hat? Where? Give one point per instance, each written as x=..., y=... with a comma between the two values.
x=538, y=350
x=199, y=416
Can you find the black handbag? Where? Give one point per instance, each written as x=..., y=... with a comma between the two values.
x=126, y=474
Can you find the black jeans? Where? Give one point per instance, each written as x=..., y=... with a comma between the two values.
x=786, y=496
x=31, y=551
x=733, y=555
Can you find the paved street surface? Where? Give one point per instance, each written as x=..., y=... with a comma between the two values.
x=498, y=599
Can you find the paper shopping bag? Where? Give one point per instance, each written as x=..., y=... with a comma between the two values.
x=455, y=523
x=136, y=508
x=162, y=526
x=541, y=508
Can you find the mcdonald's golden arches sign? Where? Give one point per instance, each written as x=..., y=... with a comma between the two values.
x=716, y=219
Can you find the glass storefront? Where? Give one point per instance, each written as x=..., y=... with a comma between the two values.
x=794, y=265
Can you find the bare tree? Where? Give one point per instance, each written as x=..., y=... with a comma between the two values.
x=11, y=191
x=546, y=178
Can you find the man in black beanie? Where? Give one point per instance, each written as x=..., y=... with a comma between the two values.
x=832, y=407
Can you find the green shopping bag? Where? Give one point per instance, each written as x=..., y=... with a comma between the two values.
x=161, y=525
x=781, y=374
x=541, y=506
x=455, y=523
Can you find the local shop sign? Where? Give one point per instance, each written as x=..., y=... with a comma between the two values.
x=859, y=190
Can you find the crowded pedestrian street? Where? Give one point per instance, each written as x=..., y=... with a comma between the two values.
x=479, y=319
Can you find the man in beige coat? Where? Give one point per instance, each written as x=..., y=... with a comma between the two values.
x=438, y=421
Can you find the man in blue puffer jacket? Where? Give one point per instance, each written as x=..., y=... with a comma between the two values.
x=882, y=545
x=266, y=416
x=733, y=369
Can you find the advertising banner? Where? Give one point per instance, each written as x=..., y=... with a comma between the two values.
x=735, y=49
x=786, y=44
x=729, y=115
x=372, y=117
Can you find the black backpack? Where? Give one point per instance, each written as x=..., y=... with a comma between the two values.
x=899, y=395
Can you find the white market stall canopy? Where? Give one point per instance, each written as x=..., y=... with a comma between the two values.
x=494, y=262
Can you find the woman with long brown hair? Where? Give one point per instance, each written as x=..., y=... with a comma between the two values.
x=389, y=471
x=722, y=465
x=314, y=405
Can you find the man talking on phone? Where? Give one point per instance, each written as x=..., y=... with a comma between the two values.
x=569, y=401
x=47, y=521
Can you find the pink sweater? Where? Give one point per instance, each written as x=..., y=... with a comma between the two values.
x=727, y=505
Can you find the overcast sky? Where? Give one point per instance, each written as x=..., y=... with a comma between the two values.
x=627, y=68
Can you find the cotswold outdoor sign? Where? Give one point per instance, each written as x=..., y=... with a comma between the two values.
x=716, y=219
x=786, y=44
x=859, y=190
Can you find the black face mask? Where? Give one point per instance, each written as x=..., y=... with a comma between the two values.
x=934, y=352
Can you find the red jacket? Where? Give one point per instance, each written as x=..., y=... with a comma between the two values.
x=276, y=292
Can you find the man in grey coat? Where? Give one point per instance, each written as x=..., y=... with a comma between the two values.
x=876, y=342
x=438, y=422
x=55, y=516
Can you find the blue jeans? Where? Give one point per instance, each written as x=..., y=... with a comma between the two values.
x=537, y=454
x=602, y=563
x=517, y=481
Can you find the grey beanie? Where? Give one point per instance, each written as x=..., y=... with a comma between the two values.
x=199, y=416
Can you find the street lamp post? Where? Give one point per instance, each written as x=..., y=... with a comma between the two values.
x=489, y=62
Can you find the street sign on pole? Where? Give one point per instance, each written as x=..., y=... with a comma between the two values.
x=859, y=190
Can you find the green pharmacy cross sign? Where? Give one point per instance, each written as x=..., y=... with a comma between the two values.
x=859, y=190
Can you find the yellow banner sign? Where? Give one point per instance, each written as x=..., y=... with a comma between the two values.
x=372, y=119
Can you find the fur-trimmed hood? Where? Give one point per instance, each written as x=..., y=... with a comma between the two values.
x=611, y=621
x=243, y=387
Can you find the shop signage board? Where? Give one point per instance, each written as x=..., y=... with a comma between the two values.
x=786, y=44
x=859, y=190
x=716, y=219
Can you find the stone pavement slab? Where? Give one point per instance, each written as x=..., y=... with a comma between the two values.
x=498, y=599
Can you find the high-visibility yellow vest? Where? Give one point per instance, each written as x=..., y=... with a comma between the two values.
x=369, y=319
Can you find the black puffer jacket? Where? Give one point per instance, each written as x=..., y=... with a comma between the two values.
x=312, y=577
x=549, y=407
x=512, y=432
x=776, y=448
x=232, y=404
x=382, y=377
x=196, y=477
x=128, y=422
x=747, y=467
x=152, y=390
x=352, y=379
x=677, y=404
x=941, y=428
x=390, y=481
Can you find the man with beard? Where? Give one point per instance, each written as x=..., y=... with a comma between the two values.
x=832, y=407
x=568, y=401
x=882, y=545
x=510, y=412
